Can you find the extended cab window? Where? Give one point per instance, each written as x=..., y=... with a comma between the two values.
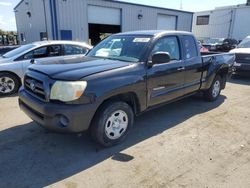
x=74, y=50
x=190, y=49
x=170, y=45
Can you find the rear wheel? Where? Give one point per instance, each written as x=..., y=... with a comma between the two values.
x=112, y=123
x=9, y=84
x=214, y=91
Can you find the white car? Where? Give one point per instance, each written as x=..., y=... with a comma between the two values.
x=14, y=64
x=242, y=54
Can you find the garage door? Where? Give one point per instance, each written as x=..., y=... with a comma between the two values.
x=104, y=15
x=166, y=22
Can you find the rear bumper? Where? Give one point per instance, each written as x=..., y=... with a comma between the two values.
x=57, y=117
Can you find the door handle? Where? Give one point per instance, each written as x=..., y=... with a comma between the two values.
x=181, y=68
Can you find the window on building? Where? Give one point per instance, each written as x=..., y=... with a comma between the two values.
x=22, y=37
x=43, y=36
x=202, y=20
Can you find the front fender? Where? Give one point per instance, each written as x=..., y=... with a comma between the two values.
x=103, y=86
x=13, y=67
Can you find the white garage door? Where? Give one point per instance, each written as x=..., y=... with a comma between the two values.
x=104, y=15
x=166, y=22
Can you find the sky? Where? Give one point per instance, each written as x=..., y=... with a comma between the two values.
x=7, y=16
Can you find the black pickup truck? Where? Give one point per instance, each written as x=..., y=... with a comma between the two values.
x=123, y=76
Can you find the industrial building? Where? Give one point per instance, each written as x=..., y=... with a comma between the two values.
x=92, y=20
x=223, y=22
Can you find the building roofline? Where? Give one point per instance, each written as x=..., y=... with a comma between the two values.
x=225, y=7
x=149, y=6
x=20, y=2
x=128, y=3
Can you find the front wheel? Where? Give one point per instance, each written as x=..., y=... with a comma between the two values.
x=9, y=84
x=214, y=91
x=112, y=123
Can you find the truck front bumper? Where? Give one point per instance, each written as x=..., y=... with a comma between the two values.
x=57, y=117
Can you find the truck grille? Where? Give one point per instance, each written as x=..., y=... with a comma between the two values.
x=35, y=87
x=242, y=58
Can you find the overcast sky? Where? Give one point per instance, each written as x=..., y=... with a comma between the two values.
x=7, y=17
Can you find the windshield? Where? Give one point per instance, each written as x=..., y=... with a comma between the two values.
x=245, y=43
x=124, y=48
x=17, y=51
x=213, y=41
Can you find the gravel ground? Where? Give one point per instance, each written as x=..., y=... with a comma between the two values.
x=190, y=143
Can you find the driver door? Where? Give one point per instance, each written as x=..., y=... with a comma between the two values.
x=165, y=82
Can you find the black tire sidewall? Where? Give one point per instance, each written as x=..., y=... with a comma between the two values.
x=16, y=81
x=209, y=94
x=98, y=131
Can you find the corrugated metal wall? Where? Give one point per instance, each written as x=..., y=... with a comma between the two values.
x=219, y=24
x=72, y=15
x=241, y=25
x=31, y=26
x=229, y=22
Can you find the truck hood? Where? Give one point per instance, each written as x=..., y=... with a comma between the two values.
x=72, y=69
x=241, y=50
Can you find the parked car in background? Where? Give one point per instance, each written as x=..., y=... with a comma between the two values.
x=212, y=43
x=5, y=49
x=104, y=93
x=227, y=45
x=14, y=63
x=220, y=44
x=242, y=54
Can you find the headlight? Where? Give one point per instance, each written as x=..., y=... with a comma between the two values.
x=67, y=91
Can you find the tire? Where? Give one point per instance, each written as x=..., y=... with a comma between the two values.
x=9, y=84
x=213, y=92
x=112, y=123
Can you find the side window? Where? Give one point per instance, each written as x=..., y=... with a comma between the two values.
x=37, y=53
x=170, y=45
x=54, y=50
x=189, y=44
x=74, y=50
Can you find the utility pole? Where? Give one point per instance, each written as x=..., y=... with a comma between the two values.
x=181, y=5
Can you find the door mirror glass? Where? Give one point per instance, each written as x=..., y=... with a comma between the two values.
x=161, y=57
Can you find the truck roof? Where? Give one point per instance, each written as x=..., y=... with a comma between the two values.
x=155, y=32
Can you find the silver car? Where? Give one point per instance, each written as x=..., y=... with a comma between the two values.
x=14, y=64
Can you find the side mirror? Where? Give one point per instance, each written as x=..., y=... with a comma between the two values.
x=32, y=61
x=160, y=57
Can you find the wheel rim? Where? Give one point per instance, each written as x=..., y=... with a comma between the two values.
x=116, y=125
x=216, y=88
x=7, y=85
